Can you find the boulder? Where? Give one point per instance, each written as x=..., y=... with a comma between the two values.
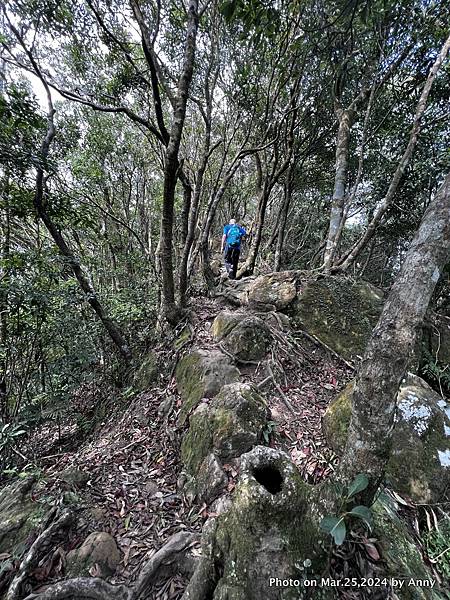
x=340, y=312
x=97, y=556
x=419, y=465
x=249, y=340
x=275, y=290
x=20, y=517
x=224, y=322
x=201, y=374
x=265, y=533
x=231, y=424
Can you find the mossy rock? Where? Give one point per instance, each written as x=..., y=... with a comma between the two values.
x=340, y=312
x=266, y=532
x=147, y=374
x=97, y=556
x=202, y=374
x=224, y=323
x=419, y=465
x=20, y=517
x=229, y=426
x=402, y=557
x=277, y=290
x=249, y=340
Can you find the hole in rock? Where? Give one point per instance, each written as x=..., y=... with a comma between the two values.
x=269, y=477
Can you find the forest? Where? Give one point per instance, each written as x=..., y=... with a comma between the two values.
x=224, y=300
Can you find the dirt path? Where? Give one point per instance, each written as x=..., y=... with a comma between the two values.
x=133, y=463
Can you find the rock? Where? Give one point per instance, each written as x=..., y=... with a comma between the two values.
x=224, y=323
x=147, y=373
x=201, y=374
x=74, y=477
x=165, y=407
x=275, y=289
x=229, y=426
x=20, y=517
x=265, y=533
x=97, y=556
x=211, y=480
x=401, y=556
x=419, y=465
x=249, y=340
x=340, y=312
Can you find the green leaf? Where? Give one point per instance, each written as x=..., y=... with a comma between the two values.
x=364, y=513
x=357, y=485
x=335, y=526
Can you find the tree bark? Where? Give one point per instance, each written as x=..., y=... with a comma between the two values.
x=388, y=200
x=171, y=167
x=345, y=119
x=4, y=304
x=195, y=206
x=392, y=343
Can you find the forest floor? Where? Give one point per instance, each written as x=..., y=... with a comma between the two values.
x=133, y=461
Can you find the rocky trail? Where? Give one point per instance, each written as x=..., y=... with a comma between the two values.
x=246, y=368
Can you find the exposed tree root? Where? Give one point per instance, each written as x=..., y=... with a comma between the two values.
x=169, y=557
x=42, y=542
x=168, y=560
x=83, y=588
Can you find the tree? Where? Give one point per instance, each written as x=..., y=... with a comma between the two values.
x=392, y=343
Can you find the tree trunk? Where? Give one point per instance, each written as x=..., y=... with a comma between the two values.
x=258, y=225
x=284, y=211
x=171, y=167
x=187, y=198
x=392, y=343
x=4, y=305
x=345, y=118
x=388, y=200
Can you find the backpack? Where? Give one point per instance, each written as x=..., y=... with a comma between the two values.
x=234, y=236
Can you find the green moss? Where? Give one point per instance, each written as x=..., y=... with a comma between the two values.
x=188, y=375
x=336, y=419
x=184, y=338
x=401, y=556
x=263, y=536
x=340, y=312
x=224, y=323
x=229, y=426
x=414, y=468
x=20, y=517
x=198, y=441
x=249, y=340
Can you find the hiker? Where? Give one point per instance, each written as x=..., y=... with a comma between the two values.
x=231, y=243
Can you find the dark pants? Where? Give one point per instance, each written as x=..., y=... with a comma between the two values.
x=231, y=261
